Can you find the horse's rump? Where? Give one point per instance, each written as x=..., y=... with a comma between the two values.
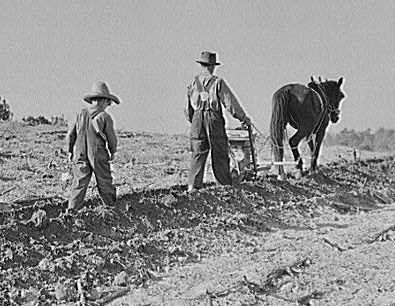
x=284, y=103
x=278, y=120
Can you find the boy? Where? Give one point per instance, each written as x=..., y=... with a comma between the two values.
x=92, y=144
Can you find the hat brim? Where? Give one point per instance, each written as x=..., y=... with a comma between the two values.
x=91, y=96
x=208, y=64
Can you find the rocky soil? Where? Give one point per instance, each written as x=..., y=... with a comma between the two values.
x=326, y=239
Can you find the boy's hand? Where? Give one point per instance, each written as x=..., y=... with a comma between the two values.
x=70, y=156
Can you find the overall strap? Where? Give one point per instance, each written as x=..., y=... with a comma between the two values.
x=91, y=122
x=203, y=104
x=210, y=83
x=96, y=128
x=206, y=88
x=198, y=85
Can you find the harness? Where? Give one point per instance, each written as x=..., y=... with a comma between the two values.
x=327, y=108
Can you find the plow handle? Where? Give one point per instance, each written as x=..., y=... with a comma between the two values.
x=252, y=148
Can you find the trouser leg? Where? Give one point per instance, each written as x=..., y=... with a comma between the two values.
x=196, y=170
x=105, y=185
x=82, y=173
x=219, y=147
x=200, y=148
x=220, y=160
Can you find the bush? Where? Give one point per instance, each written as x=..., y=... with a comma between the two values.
x=55, y=120
x=381, y=140
x=5, y=111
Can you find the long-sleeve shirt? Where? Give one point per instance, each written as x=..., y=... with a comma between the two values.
x=101, y=123
x=218, y=91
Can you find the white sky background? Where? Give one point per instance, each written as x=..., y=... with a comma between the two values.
x=52, y=51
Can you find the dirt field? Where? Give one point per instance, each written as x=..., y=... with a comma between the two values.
x=326, y=239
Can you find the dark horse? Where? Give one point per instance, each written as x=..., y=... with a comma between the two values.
x=307, y=109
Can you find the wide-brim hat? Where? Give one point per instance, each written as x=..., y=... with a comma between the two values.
x=100, y=90
x=208, y=59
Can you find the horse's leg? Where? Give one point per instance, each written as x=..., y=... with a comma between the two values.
x=294, y=142
x=311, y=146
x=278, y=157
x=318, y=141
x=281, y=173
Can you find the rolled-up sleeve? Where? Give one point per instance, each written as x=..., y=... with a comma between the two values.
x=228, y=99
x=188, y=109
x=110, y=134
x=187, y=103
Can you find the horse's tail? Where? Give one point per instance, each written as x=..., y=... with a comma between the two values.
x=278, y=122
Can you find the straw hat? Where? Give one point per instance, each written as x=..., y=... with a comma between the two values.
x=208, y=58
x=100, y=90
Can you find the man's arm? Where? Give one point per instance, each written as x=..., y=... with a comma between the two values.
x=188, y=109
x=232, y=105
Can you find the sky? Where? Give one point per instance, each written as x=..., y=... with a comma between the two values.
x=52, y=52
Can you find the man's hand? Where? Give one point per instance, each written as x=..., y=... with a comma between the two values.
x=246, y=122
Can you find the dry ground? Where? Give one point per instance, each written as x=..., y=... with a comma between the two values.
x=327, y=239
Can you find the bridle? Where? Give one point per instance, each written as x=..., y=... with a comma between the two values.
x=333, y=110
x=327, y=108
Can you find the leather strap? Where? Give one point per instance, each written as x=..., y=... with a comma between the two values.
x=207, y=87
x=198, y=85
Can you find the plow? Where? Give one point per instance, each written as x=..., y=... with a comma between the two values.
x=244, y=161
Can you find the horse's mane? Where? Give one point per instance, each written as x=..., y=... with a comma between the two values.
x=318, y=87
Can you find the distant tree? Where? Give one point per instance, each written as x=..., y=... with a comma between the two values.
x=58, y=120
x=381, y=140
x=5, y=111
x=367, y=140
x=55, y=120
x=30, y=120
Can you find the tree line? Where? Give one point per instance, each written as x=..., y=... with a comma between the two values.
x=380, y=140
x=6, y=115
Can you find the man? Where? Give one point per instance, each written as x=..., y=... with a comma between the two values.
x=92, y=144
x=206, y=96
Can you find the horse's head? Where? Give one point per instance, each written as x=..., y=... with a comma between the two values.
x=333, y=95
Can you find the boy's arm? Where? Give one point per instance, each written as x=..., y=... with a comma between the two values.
x=72, y=137
x=111, y=137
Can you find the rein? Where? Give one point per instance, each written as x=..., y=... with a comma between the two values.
x=327, y=108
